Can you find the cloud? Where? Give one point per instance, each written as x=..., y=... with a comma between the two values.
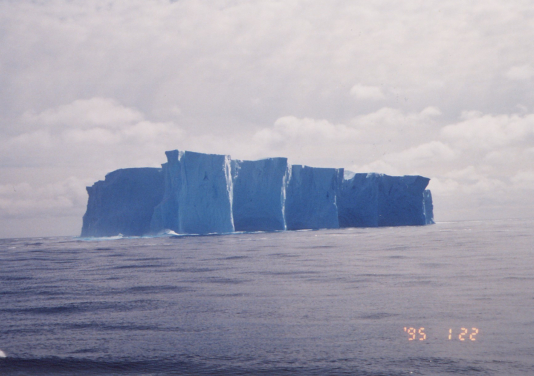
x=410, y=161
x=367, y=92
x=361, y=140
x=378, y=126
x=290, y=129
x=55, y=199
x=393, y=125
x=306, y=140
x=86, y=113
x=475, y=180
x=211, y=59
x=520, y=72
x=486, y=131
x=524, y=180
x=441, y=187
x=468, y=186
x=431, y=152
x=100, y=127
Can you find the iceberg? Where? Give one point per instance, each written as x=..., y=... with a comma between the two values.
x=123, y=203
x=259, y=193
x=197, y=193
x=371, y=200
x=311, y=201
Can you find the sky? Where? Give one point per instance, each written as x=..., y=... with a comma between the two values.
x=441, y=89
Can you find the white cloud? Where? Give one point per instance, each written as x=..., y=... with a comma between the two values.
x=468, y=173
x=520, y=72
x=476, y=180
x=290, y=129
x=99, y=125
x=486, y=132
x=390, y=123
x=443, y=187
x=367, y=92
x=86, y=113
x=415, y=160
x=524, y=180
x=306, y=140
x=475, y=188
x=379, y=166
x=488, y=186
x=361, y=141
x=58, y=198
x=432, y=152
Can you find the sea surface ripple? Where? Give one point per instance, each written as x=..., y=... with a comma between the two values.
x=329, y=302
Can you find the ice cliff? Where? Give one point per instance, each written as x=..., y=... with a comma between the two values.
x=371, y=200
x=311, y=198
x=259, y=194
x=196, y=193
x=123, y=203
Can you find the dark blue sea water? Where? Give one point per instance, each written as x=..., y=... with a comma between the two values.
x=329, y=302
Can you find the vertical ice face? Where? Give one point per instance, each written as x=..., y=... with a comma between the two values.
x=165, y=215
x=370, y=200
x=259, y=194
x=205, y=197
x=429, y=207
x=358, y=201
x=401, y=200
x=123, y=203
x=198, y=194
x=311, y=198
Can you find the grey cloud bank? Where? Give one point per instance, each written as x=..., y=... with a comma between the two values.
x=196, y=193
x=434, y=89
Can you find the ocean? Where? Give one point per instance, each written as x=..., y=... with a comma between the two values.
x=453, y=298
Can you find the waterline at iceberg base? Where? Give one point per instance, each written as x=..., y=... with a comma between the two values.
x=197, y=193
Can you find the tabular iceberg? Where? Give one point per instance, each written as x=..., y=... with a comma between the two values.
x=259, y=193
x=196, y=193
x=123, y=203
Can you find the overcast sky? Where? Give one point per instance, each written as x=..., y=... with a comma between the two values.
x=442, y=89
